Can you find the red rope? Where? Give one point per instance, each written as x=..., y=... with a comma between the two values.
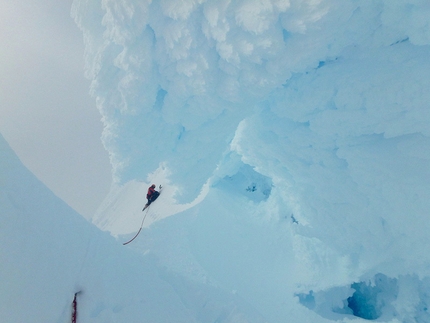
x=74, y=309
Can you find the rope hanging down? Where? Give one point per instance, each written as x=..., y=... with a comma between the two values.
x=146, y=208
x=141, y=226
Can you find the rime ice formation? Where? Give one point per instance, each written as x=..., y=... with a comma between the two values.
x=293, y=140
x=309, y=123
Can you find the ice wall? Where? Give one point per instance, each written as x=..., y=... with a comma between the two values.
x=172, y=76
x=325, y=101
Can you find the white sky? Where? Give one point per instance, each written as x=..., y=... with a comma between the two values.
x=46, y=113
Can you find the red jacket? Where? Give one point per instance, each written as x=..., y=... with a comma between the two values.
x=151, y=191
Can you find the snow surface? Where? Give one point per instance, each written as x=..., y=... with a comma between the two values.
x=49, y=253
x=293, y=142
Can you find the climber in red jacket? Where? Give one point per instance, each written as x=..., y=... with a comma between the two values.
x=152, y=195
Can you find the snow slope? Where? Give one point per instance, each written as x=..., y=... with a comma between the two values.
x=49, y=253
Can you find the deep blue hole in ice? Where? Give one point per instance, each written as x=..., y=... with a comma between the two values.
x=368, y=300
x=363, y=302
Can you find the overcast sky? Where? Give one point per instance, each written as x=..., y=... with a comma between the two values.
x=46, y=113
